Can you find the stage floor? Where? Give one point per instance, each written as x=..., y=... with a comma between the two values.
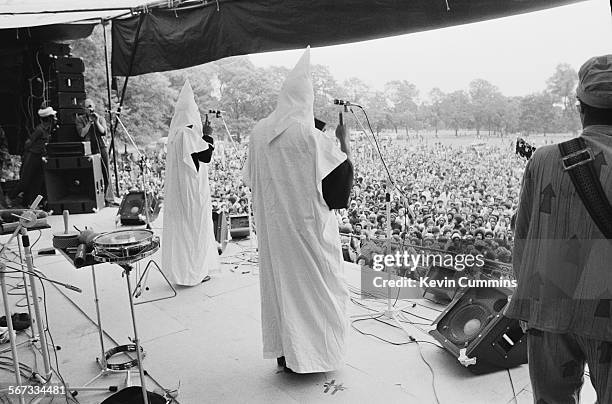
x=207, y=340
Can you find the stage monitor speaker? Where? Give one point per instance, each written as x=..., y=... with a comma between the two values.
x=475, y=331
x=220, y=228
x=74, y=184
x=450, y=276
x=132, y=208
x=239, y=226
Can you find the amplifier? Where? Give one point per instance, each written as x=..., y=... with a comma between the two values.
x=68, y=149
x=67, y=116
x=68, y=65
x=239, y=226
x=69, y=82
x=66, y=133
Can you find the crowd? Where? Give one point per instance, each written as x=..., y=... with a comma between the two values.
x=441, y=196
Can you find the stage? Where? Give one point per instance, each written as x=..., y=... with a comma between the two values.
x=207, y=339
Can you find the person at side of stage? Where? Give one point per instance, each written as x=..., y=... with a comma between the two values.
x=189, y=248
x=32, y=181
x=297, y=174
x=561, y=258
x=91, y=126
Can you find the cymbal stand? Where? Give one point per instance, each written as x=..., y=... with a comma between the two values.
x=144, y=277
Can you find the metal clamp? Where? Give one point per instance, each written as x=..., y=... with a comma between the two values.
x=463, y=358
x=589, y=157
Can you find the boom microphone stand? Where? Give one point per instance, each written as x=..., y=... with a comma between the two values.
x=391, y=312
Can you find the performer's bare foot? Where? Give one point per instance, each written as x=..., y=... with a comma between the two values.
x=206, y=278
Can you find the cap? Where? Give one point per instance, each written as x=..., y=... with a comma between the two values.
x=595, y=82
x=46, y=112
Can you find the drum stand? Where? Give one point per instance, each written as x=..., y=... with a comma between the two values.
x=144, y=277
x=26, y=220
x=104, y=370
x=145, y=394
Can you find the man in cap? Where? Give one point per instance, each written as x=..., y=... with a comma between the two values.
x=31, y=182
x=297, y=174
x=91, y=126
x=561, y=258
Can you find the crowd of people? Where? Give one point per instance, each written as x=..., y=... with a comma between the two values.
x=440, y=195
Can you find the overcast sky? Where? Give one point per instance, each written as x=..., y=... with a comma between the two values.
x=517, y=54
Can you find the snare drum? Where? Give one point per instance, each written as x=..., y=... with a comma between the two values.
x=125, y=246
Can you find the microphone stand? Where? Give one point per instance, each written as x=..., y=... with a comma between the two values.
x=392, y=313
x=142, y=280
x=249, y=202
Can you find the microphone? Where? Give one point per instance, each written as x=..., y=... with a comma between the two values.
x=345, y=103
x=216, y=112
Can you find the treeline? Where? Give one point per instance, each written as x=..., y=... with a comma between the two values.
x=248, y=93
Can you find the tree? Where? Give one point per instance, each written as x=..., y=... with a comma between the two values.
x=537, y=113
x=433, y=111
x=456, y=107
x=402, y=104
x=562, y=86
x=483, y=95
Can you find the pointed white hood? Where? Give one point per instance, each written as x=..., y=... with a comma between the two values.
x=186, y=112
x=296, y=98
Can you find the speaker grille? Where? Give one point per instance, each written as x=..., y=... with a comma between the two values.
x=467, y=322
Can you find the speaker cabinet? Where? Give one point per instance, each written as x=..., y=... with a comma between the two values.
x=240, y=226
x=66, y=133
x=67, y=116
x=69, y=65
x=68, y=100
x=475, y=331
x=132, y=208
x=444, y=294
x=74, y=184
x=70, y=82
x=220, y=228
x=67, y=149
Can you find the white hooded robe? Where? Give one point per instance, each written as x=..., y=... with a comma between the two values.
x=303, y=293
x=189, y=248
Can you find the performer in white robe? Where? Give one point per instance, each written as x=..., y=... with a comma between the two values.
x=189, y=248
x=303, y=292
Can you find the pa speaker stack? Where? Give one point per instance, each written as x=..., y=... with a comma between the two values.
x=73, y=176
x=66, y=93
x=474, y=330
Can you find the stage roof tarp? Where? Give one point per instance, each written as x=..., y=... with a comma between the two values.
x=36, y=13
x=175, y=39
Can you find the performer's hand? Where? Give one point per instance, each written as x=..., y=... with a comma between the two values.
x=206, y=129
x=343, y=135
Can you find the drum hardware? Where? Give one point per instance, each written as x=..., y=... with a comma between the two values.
x=127, y=246
x=26, y=222
x=68, y=238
